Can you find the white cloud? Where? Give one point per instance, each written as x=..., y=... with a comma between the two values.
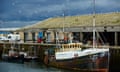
x=16, y=23
x=108, y=3
x=19, y=22
x=30, y=8
x=82, y=4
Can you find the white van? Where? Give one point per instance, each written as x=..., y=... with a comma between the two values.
x=13, y=37
x=2, y=38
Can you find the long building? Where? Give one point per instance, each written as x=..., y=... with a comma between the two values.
x=107, y=25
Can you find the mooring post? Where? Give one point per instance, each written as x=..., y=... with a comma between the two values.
x=116, y=38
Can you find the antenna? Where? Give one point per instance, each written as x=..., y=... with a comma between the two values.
x=94, y=24
x=64, y=19
x=64, y=11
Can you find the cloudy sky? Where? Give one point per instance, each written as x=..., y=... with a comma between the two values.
x=18, y=13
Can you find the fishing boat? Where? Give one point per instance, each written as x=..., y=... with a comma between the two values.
x=12, y=55
x=73, y=56
x=30, y=55
x=76, y=56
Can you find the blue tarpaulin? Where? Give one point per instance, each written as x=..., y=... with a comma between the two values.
x=40, y=35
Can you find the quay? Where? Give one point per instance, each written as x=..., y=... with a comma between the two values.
x=114, y=53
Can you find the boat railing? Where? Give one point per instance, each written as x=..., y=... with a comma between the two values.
x=69, y=47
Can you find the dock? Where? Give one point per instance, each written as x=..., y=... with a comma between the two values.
x=114, y=53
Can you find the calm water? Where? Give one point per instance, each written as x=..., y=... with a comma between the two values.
x=27, y=67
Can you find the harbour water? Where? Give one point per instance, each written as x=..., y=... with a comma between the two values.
x=28, y=67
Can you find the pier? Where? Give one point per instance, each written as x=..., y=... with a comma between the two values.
x=114, y=53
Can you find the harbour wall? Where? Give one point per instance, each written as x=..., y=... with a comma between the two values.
x=114, y=53
x=114, y=59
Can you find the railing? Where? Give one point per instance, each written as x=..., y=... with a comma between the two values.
x=69, y=47
x=74, y=45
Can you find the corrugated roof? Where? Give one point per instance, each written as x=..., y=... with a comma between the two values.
x=9, y=29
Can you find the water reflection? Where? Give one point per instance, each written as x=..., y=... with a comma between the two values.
x=27, y=67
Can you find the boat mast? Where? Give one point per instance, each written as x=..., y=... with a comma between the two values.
x=64, y=9
x=63, y=22
x=64, y=19
x=94, y=20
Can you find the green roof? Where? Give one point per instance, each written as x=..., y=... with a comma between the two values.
x=107, y=19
